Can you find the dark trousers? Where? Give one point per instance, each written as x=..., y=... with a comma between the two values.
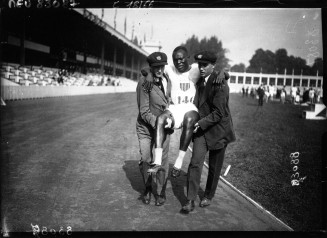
x=260, y=101
x=156, y=182
x=216, y=159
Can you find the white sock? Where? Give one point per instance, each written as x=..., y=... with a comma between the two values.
x=157, y=155
x=179, y=161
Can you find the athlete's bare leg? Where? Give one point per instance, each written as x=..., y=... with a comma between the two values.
x=160, y=136
x=161, y=132
x=190, y=118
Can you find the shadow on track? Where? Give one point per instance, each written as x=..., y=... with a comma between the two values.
x=131, y=169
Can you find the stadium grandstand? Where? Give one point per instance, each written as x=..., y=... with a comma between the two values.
x=64, y=47
x=74, y=47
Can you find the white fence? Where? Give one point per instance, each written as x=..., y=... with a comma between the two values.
x=13, y=91
x=33, y=92
x=238, y=80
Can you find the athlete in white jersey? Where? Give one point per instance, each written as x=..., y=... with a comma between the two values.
x=182, y=93
x=181, y=112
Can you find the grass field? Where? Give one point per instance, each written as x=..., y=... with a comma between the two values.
x=259, y=159
x=261, y=164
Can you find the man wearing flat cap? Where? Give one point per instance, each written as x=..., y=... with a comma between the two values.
x=150, y=106
x=213, y=132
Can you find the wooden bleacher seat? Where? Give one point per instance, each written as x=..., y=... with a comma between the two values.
x=7, y=68
x=15, y=71
x=15, y=66
x=34, y=79
x=6, y=74
x=15, y=78
x=23, y=69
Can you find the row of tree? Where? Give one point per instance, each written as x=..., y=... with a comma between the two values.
x=279, y=62
x=194, y=46
x=264, y=61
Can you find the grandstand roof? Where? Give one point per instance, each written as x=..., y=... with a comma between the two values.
x=73, y=32
x=111, y=30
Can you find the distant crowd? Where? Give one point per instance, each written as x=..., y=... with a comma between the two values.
x=63, y=77
x=294, y=95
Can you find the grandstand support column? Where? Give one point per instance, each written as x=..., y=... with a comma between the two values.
x=22, y=40
x=84, y=63
x=124, y=72
x=115, y=61
x=138, y=67
x=132, y=72
x=102, y=57
x=85, y=56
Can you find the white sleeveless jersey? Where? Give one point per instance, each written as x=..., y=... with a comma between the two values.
x=183, y=89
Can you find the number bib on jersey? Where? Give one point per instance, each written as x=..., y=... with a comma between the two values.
x=183, y=90
x=182, y=94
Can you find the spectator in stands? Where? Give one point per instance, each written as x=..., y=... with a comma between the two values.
x=101, y=81
x=252, y=92
x=298, y=95
x=293, y=94
x=261, y=94
x=61, y=76
x=267, y=94
x=318, y=95
x=271, y=92
x=312, y=95
x=283, y=95
x=305, y=96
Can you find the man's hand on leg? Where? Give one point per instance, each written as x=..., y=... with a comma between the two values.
x=169, y=123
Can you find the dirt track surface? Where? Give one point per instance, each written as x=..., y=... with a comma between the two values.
x=73, y=161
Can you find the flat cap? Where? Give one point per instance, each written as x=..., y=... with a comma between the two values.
x=157, y=59
x=206, y=57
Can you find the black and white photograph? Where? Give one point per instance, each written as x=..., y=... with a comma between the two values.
x=136, y=117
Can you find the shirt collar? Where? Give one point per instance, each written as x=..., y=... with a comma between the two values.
x=206, y=78
x=156, y=79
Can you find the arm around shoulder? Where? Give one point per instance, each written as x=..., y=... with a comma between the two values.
x=148, y=82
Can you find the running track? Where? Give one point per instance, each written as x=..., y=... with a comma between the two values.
x=73, y=161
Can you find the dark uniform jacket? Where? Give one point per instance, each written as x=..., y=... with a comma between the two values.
x=151, y=105
x=215, y=118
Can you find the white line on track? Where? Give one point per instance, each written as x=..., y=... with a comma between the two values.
x=248, y=198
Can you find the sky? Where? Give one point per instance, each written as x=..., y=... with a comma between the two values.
x=241, y=31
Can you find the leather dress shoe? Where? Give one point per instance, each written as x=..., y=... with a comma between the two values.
x=155, y=168
x=175, y=172
x=146, y=198
x=188, y=207
x=160, y=200
x=205, y=202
